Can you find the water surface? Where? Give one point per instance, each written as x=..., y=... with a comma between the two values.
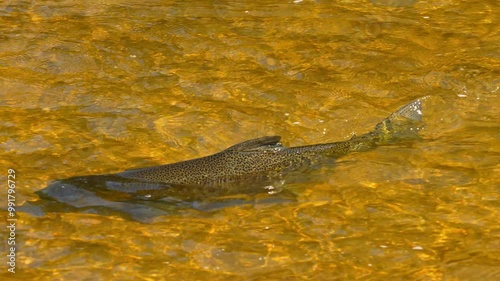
x=99, y=88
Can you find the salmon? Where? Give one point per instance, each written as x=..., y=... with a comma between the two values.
x=253, y=166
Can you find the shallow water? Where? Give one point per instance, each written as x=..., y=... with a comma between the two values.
x=100, y=88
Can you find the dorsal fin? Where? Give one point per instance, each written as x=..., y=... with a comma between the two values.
x=257, y=144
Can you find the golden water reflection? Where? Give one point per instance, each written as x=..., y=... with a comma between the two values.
x=90, y=88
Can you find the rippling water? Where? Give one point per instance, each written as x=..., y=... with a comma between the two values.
x=100, y=88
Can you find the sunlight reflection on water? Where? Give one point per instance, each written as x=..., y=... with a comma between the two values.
x=99, y=88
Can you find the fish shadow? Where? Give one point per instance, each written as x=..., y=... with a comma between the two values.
x=111, y=195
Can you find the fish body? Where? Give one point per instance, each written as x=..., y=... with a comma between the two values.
x=252, y=166
x=266, y=157
x=250, y=160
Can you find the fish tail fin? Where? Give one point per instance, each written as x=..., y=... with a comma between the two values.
x=403, y=124
x=400, y=125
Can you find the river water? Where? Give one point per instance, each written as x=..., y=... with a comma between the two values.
x=105, y=86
